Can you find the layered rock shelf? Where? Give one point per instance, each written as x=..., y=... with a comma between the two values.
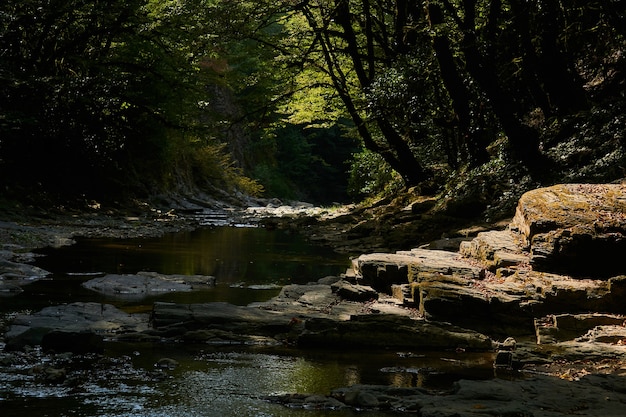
x=492, y=287
x=501, y=281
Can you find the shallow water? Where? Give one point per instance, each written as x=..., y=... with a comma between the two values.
x=250, y=264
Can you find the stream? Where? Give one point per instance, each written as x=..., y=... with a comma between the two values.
x=250, y=264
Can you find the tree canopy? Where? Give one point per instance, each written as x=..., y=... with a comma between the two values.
x=104, y=94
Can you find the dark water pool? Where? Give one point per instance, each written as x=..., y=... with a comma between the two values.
x=250, y=264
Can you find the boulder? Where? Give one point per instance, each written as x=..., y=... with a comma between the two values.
x=577, y=229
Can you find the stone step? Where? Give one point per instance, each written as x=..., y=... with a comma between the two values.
x=382, y=270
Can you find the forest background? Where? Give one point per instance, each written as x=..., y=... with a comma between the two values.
x=321, y=100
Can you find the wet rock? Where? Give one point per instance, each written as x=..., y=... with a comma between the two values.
x=221, y=316
x=49, y=374
x=504, y=359
x=102, y=319
x=8, y=359
x=25, y=339
x=310, y=315
x=167, y=363
x=307, y=401
x=591, y=395
x=361, y=399
x=14, y=275
x=224, y=337
x=144, y=284
x=578, y=229
x=390, y=331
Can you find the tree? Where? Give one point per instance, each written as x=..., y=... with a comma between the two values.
x=96, y=93
x=433, y=82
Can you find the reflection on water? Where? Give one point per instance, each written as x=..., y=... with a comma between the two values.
x=226, y=381
x=250, y=265
x=233, y=255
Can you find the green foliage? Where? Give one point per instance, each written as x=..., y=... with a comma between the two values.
x=305, y=163
x=96, y=94
x=370, y=176
x=130, y=95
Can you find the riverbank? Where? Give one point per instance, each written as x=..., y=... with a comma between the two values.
x=355, y=231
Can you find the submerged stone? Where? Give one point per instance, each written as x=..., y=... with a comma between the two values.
x=144, y=284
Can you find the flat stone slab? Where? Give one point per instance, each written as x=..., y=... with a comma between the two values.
x=579, y=229
x=220, y=315
x=391, y=331
x=144, y=284
x=313, y=315
x=102, y=319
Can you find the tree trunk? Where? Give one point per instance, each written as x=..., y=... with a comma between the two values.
x=564, y=89
x=474, y=145
x=397, y=152
x=523, y=140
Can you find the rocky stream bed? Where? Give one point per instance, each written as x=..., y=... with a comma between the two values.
x=543, y=293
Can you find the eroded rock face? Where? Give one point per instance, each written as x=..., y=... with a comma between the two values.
x=496, y=249
x=578, y=229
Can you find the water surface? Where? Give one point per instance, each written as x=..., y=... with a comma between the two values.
x=250, y=264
